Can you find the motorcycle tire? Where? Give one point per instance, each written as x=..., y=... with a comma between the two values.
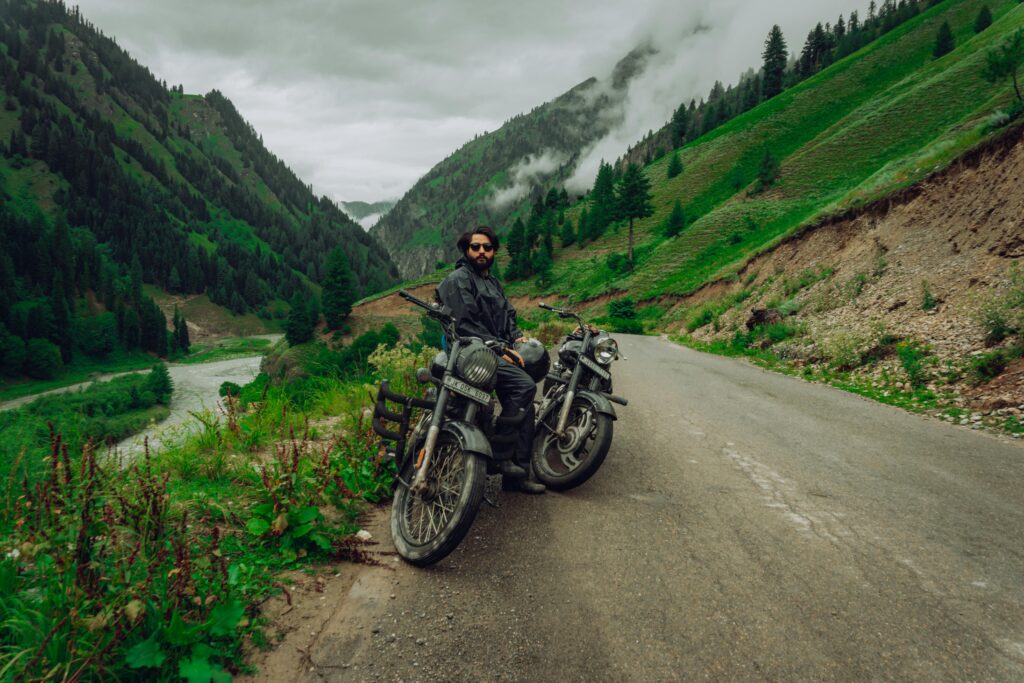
x=421, y=528
x=556, y=465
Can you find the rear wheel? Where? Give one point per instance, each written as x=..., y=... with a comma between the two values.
x=566, y=462
x=426, y=527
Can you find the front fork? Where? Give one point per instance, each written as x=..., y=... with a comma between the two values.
x=419, y=482
x=570, y=391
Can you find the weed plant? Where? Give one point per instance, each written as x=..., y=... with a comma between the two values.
x=155, y=570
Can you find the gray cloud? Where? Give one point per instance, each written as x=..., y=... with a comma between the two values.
x=362, y=97
x=527, y=174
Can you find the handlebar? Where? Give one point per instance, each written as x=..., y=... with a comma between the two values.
x=436, y=311
x=561, y=312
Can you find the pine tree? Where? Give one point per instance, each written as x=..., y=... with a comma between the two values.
x=159, y=382
x=1005, y=61
x=944, y=41
x=603, y=202
x=676, y=222
x=583, y=229
x=542, y=266
x=680, y=124
x=135, y=275
x=299, y=327
x=983, y=20
x=516, y=245
x=634, y=201
x=774, y=55
x=339, y=289
x=768, y=172
x=568, y=234
x=184, y=342
x=675, y=166
x=60, y=319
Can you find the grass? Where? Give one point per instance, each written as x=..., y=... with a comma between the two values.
x=103, y=412
x=82, y=369
x=226, y=349
x=156, y=570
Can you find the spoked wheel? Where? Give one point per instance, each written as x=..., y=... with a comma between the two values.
x=427, y=526
x=566, y=462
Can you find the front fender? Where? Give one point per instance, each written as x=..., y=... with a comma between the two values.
x=471, y=437
x=600, y=404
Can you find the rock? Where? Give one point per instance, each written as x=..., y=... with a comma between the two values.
x=763, y=316
x=364, y=535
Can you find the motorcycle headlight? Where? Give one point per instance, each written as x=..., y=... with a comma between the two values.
x=478, y=365
x=606, y=350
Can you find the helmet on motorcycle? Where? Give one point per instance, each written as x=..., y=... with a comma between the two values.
x=535, y=357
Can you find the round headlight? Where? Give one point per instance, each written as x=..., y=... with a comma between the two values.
x=478, y=365
x=606, y=350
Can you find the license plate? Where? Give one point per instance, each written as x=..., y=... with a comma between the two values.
x=595, y=368
x=460, y=387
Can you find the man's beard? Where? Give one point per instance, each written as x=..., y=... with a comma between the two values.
x=480, y=267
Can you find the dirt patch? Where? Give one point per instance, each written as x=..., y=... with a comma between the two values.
x=328, y=605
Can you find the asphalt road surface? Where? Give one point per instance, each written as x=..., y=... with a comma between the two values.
x=745, y=526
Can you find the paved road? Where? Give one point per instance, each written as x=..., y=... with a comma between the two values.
x=746, y=526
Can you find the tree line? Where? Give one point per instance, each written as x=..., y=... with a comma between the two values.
x=159, y=202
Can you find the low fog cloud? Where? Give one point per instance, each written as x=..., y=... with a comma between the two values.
x=527, y=174
x=696, y=44
x=362, y=97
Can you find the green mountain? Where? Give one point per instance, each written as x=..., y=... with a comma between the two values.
x=111, y=179
x=361, y=210
x=492, y=178
x=868, y=125
x=367, y=213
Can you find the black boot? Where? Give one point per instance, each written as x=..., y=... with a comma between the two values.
x=525, y=485
x=510, y=470
x=530, y=485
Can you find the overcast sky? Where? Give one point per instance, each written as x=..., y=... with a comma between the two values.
x=362, y=97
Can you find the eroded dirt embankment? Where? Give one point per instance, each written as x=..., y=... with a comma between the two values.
x=917, y=266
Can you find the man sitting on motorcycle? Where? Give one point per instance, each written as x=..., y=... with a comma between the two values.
x=479, y=305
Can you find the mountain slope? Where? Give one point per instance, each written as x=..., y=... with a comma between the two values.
x=180, y=182
x=870, y=124
x=489, y=179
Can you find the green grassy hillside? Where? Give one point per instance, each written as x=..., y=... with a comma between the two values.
x=869, y=125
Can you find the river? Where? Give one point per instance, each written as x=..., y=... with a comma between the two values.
x=195, y=389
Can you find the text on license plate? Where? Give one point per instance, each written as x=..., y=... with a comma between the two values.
x=460, y=387
x=595, y=368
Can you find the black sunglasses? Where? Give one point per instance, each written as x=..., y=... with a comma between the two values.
x=476, y=246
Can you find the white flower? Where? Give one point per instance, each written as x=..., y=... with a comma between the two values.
x=13, y=554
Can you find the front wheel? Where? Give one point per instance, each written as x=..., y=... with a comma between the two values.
x=565, y=463
x=427, y=527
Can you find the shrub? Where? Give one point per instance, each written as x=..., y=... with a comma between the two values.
x=622, y=308
x=617, y=263
x=626, y=325
x=97, y=336
x=229, y=389
x=928, y=300
x=42, y=359
x=843, y=350
x=913, y=358
x=702, y=317
x=12, y=353
x=988, y=366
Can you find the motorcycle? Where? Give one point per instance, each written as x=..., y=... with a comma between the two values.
x=574, y=421
x=442, y=462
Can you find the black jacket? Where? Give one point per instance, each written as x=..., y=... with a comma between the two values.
x=478, y=304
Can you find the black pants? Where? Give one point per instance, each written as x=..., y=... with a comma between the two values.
x=515, y=391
